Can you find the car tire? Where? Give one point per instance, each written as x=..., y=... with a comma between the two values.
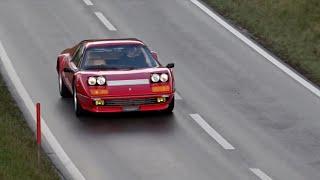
x=170, y=107
x=64, y=92
x=77, y=107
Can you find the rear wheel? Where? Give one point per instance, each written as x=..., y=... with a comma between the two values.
x=77, y=107
x=64, y=92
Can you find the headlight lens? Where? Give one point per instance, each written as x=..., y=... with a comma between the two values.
x=92, y=81
x=164, y=77
x=101, y=80
x=155, y=78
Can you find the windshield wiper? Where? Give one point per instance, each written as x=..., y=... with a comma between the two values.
x=112, y=68
x=124, y=68
x=102, y=68
x=129, y=68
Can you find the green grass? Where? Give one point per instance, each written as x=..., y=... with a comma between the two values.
x=18, y=149
x=289, y=28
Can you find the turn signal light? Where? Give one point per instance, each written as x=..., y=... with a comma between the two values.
x=164, y=88
x=98, y=92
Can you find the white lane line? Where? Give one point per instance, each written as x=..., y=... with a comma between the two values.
x=88, y=2
x=213, y=133
x=105, y=21
x=177, y=96
x=260, y=174
x=261, y=51
x=56, y=147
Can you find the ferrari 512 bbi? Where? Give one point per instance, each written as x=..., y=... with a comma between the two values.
x=115, y=75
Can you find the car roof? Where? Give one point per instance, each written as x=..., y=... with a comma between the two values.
x=97, y=42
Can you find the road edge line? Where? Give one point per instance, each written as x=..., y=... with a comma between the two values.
x=294, y=75
x=68, y=165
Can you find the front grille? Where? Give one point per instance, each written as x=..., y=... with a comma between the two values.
x=130, y=102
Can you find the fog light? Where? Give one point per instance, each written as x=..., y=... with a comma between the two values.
x=161, y=99
x=99, y=102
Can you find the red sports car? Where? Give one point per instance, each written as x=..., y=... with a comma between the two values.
x=115, y=75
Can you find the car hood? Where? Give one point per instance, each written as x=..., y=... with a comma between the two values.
x=126, y=74
x=127, y=82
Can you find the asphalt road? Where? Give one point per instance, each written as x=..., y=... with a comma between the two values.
x=271, y=121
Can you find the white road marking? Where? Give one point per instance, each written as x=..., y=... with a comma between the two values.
x=177, y=96
x=260, y=174
x=56, y=147
x=128, y=82
x=88, y=2
x=105, y=21
x=261, y=51
x=213, y=133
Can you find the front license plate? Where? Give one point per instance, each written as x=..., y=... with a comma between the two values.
x=130, y=108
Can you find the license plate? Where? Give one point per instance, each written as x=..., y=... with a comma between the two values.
x=130, y=108
x=99, y=102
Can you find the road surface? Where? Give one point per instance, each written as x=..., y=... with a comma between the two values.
x=239, y=116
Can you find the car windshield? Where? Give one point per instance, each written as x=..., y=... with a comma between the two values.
x=118, y=57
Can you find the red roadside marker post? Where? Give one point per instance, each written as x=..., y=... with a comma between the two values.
x=38, y=110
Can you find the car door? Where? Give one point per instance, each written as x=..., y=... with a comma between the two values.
x=73, y=65
x=65, y=65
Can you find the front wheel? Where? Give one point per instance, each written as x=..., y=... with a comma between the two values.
x=64, y=92
x=170, y=107
x=77, y=107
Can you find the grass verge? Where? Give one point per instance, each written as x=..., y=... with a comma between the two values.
x=18, y=148
x=289, y=28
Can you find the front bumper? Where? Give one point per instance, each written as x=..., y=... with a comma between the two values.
x=123, y=103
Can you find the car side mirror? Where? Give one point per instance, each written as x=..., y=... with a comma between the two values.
x=68, y=70
x=170, y=65
x=154, y=55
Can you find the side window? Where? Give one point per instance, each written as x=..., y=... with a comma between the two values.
x=77, y=57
